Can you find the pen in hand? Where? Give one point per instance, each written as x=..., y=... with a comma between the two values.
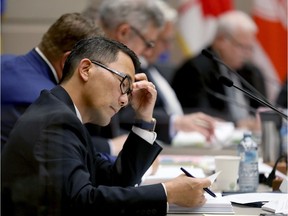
x=205, y=189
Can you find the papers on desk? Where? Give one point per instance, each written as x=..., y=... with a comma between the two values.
x=218, y=205
x=167, y=172
x=278, y=205
x=274, y=202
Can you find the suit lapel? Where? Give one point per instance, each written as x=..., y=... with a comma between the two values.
x=63, y=96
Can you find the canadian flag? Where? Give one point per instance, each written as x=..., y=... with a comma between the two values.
x=271, y=51
x=197, y=23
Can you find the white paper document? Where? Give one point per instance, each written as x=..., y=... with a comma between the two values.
x=166, y=173
x=245, y=198
x=273, y=202
x=277, y=205
x=218, y=205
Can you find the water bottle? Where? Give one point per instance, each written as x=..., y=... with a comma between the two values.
x=248, y=167
x=284, y=137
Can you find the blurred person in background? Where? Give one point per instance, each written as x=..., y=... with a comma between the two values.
x=24, y=76
x=168, y=110
x=132, y=28
x=196, y=81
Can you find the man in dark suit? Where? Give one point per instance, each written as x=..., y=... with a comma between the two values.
x=49, y=166
x=281, y=99
x=196, y=81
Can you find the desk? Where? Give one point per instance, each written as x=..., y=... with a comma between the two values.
x=192, y=155
x=241, y=209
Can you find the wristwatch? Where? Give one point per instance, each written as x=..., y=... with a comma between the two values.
x=150, y=126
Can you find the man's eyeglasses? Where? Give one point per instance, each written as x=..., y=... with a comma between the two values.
x=244, y=47
x=125, y=83
x=148, y=44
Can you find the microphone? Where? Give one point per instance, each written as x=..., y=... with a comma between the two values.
x=210, y=55
x=229, y=83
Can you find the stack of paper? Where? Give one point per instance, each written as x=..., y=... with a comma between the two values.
x=218, y=205
x=274, y=202
x=277, y=205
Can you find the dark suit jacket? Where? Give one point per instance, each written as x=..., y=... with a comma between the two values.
x=196, y=84
x=49, y=167
x=281, y=99
x=126, y=115
x=22, y=79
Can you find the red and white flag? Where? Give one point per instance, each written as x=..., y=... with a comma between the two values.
x=197, y=22
x=271, y=51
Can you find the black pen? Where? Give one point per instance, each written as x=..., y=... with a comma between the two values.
x=205, y=189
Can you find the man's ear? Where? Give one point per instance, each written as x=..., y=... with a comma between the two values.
x=84, y=69
x=123, y=33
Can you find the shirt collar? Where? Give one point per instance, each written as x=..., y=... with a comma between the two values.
x=78, y=113
x=48, y=63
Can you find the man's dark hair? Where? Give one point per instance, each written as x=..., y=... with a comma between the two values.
x=98, y=48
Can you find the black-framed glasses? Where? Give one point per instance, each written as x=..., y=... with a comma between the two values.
x=148, y=44
x=125, y=83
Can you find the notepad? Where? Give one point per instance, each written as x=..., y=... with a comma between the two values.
x=218, y=205
x=279, y=205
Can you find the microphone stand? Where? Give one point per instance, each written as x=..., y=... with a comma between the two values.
x=227, y=82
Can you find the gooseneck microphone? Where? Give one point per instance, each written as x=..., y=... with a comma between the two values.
x=211, y=56
x=229, y=83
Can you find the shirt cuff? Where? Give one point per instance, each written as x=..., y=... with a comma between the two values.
x=172, y=131
x=111, y=147
x=149, y=136
x=167, y=208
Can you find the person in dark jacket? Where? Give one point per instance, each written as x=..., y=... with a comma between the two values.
x=49, y=165
x=196, y=81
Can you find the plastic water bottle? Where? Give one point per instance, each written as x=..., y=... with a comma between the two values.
x=284, y=135
x=248, y=167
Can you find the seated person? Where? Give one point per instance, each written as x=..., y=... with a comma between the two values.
x=49, y=164
x=196, y=81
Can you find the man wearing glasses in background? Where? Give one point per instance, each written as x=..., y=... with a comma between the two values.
x=196, y=80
